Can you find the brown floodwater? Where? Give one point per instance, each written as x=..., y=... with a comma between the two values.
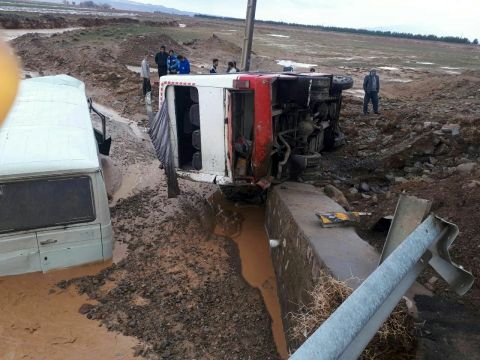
x=257, y=267
x=39, y=321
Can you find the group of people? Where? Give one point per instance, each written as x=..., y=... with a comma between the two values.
x=171, y=63
x=231, y=67
x=167, y=63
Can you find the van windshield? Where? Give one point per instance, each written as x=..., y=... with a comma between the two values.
x=41, y=203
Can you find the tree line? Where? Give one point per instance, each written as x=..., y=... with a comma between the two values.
x=449, y=39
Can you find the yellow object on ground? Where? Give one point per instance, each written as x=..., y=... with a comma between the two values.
x=339, y=218
x=9, y=79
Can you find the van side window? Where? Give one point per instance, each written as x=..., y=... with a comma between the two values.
x=41, y=203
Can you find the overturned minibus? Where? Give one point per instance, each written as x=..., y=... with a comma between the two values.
x=53, y=202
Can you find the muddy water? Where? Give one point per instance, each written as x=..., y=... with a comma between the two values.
x=10, y=34
x=257, y=268
x=40, y=321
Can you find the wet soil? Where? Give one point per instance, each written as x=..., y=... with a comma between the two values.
x=180, y=292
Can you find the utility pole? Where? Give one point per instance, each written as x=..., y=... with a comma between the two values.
x=247, y=40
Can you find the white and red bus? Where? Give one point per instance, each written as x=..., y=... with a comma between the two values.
x=251, y=128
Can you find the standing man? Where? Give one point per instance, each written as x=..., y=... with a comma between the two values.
x=145, y=74
x=172, y=62
x=161, y=61
x=213, y=70
x=371, y=86
x=183, y=65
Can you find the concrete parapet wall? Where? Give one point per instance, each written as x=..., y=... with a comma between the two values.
x=306, y=248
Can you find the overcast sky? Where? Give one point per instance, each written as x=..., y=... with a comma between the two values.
x=439, y=17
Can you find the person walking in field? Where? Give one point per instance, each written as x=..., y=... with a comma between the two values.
x=183, y=65
x=161, y=61
x=213, y=70
x=145, y=74
x=172, y=62
x=371, y=86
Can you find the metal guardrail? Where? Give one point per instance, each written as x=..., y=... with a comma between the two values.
x=350, y=328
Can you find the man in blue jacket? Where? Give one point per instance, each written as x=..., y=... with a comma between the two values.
x=172, y=62
x=183, y=65
x=371, y=86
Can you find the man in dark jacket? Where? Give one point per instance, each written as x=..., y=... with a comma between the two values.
x=183, y=65
x=371, y=86
x=214, y=70
x=161, y=60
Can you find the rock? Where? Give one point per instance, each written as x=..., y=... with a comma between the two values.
x=466, y=168
x=472, y=150
x=337, y=195
x=452, y=129
x=387, y=139
x=418, y=128
x=364, y=187
x=365, y=196
x=85, y=308
x=442, y=149
x=400, y=179
x=472, y=184
x=353, y=191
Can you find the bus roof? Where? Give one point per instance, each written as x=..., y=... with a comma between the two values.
x=48, y=130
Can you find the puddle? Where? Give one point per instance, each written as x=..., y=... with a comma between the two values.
x=287, y=63
x=59, y=9
x=257, y=268
x=355, y=93
x=399, y=80
x=425, y=63
x=389, y=68
x=10, y=34
x=182, y=25
x=280, y=36
x=138, y=69
x=40, y=321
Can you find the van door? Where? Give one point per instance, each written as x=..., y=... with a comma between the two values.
x=70, y=246
x=19, y=254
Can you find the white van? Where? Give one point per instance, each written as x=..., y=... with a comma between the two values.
x=53, y=203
